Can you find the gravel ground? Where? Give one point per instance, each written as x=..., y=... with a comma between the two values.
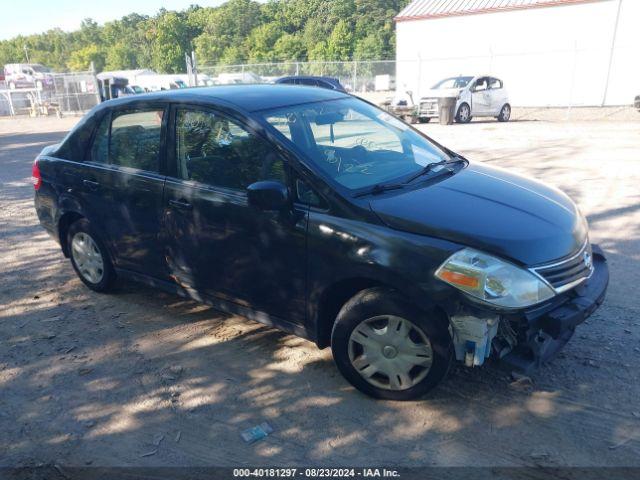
x=143, y=378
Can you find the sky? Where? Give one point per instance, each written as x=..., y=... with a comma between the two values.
x=24, y=17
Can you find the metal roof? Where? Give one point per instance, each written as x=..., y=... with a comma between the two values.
x=419, y=9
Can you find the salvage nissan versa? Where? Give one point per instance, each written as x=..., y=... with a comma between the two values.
x=316, y=212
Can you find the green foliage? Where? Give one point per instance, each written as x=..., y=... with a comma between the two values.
x=80, y=60
x=237, y=31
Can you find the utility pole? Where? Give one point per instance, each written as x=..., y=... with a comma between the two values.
x=194, y=68
x=26, y=52
x=613, y=48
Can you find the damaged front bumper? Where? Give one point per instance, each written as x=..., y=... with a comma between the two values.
x=524, y=340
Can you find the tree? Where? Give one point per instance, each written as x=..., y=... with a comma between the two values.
x=340, y=42
x=260, y=43
x=169, y=37
x=81, y=59
x=290, y=48
x=121, y=56
x=235, y=32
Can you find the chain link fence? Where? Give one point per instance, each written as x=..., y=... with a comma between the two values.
x=559, y=78
x=369, y=79
x=59, y=94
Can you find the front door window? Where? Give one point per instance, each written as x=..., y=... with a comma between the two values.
x=217, y=151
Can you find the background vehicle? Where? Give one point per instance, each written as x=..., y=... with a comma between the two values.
x=636, y=102
x=480, y=96
x=316, y=212
x=313, y=81
x=155, y=83
x=402, y=106
x=27, y=75
x=112, y=86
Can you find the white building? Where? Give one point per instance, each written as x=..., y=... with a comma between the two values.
x=548, y=52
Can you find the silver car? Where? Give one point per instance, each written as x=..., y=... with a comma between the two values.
x=479, y=96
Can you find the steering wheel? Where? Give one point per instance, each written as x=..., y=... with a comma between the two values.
x=360, y=153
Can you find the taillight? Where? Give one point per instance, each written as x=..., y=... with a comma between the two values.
x=35, y=175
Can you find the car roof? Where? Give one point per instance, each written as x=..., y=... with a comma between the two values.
x=250, y=98
x=309, y=77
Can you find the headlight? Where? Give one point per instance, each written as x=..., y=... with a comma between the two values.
x=492, y=280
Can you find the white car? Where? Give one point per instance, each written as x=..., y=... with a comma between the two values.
x=27, y=75
x=480, y=96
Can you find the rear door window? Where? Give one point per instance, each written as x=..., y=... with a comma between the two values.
x=129, y=138
x=135, y=139
x=495, y=84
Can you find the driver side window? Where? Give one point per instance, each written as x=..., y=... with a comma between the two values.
x=214, y=150
x=481, y=85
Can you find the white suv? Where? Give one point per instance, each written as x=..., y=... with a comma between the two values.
x=480, y=96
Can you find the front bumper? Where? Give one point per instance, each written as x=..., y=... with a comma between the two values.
x=544, y=330
x=523, y=340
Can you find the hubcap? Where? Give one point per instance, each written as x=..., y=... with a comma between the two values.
x=506, y=112
x=464, y=112
x=87, y=257
x=390, y=352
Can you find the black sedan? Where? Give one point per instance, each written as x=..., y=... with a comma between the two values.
x=320, y=214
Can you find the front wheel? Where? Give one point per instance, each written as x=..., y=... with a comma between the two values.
x=389, y=349
x=464, y=113
x=505, y=113
x=89, y=257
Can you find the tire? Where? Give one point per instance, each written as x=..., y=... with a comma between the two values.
x=463, y=115
x=424, y=119
x=422, y=348
x=89, y=257
x=505, y=113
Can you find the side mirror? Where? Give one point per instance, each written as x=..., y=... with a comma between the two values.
x=268, y=195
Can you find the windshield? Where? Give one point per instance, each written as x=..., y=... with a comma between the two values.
x=454, y=82
x=39, y=68
x=354, y=143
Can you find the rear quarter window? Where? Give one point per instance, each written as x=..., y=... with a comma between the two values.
x=74, y=147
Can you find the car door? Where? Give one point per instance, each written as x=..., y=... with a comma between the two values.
x=496, y=93
x=122, y=184
x=481, y=98
x=216, y=243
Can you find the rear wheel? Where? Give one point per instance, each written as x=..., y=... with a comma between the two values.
x=89, y=257
x=389, y=349
x=505, y=113
x=424, y=119
x=464, y=113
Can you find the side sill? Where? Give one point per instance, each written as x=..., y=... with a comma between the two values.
x=217, y=303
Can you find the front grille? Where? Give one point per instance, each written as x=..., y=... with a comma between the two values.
x=429, y=104
x=568, y=273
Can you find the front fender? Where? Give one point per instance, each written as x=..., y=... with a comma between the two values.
x=357, y=255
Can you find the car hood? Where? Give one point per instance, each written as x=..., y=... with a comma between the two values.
x=492, y=210
x=442, y=92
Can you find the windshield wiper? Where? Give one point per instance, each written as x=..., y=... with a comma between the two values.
x=385, y=187
x=430, y=166
x=380, y=188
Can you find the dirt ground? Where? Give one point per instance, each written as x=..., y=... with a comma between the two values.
x=143, y=378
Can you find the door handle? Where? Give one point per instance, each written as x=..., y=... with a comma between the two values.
x=90, y=184
x=180, y=204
